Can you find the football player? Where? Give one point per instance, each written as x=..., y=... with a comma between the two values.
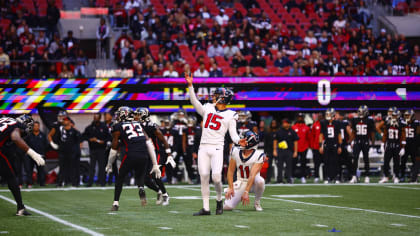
x=330, y=142
x=344, y=158
x=152, y=130
x=217, y=120
x=394, y=140
x=55, y=128
x=179, y=121
x=362, y=138
x=247, y=162
x=170, y=134
x=245, y=123
x=10, y=138
x=412, y=133
x=136, y=144
x=188, y=157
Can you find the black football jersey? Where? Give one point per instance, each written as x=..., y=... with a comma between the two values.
x=363, y=127
x=394, y=134
x=150, y=129
x=343, y=130
x=132, y=136
x=7, y=125
x=243, y=128
x=179, y=128
x=191, y=132
x=170, y=135
x=410, y=131
x=330, y=132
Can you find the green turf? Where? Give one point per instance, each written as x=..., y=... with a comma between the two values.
x=281, y=216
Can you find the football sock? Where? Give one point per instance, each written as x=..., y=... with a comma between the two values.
x=150, y=183
x=259, y=189
x=217, y=180
x=14, y=188
x=118, y=188
x=116, y=203
x=159, y=183
x=205, y=191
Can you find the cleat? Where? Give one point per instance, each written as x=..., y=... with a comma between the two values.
x=142, y=195
x=165, y=198
x=303, y=180
x=23, y=212
x=257, y=206
x=354, y=180
x=326, y=182
x=367, y=180
x=337, y=181
x=159, y=199
x=219, y=207
x=114, y=208
x=384, y=180
x=316, y=180
x=396, y=180
x=202, y=212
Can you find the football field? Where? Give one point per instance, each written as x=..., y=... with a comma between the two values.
x=288, y=210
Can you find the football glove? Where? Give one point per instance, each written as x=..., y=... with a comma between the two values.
x=36, y=157
x=156, y=171
x=402, y=152
x=53, y=145
x=170, y=160
x=108, y=168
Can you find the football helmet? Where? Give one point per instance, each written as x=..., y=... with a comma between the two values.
x=124, y=113
x=27, y=121
x=391, y=110
x=192, y=121
x=166, y=122
x=330, y=114
x=409, y=115
x=395, y=118
x=244, y=116
x=222, y=95
x=363, y=111
x=252, y=140
x=143, y=114
x=61, y=115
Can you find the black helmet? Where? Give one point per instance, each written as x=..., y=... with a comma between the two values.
x=192, y=121
x=409, y=115
x=61, y=114
x=223, y=95
x=124, y=114
x=363, y=111
x=252, y=140
x=330, y=114
x=27, y=121
x=391, y=110
x=143, y=114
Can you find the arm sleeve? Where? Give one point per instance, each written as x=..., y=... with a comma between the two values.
x=194, y=101
x=232, y=129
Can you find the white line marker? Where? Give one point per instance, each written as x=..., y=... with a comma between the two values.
x=331, y=206
x=321, y=226
x=398, y=225
x=304, y=196
x=174, y=212
x=236, y=211
x=112, y=213
x=297, y=209
x=165, y=228
x=51, y=217
x=417, y=208
x=4, y=232
x=400, y=187
x=242, y=226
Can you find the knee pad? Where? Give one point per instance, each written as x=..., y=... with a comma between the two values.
x=217, y=178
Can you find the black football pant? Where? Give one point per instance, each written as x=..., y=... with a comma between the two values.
x=270, y=169
x=97, y=156
x=344, y=159
x=65, y=164
x=392, y=152
x=410, y=150
x=29, y=168
x=7, y=172
x=363, y=147
x=130, y=162
x=331, y=159
x=285, y=156
x=188, y=161
x=302, y=170
x=318, y=160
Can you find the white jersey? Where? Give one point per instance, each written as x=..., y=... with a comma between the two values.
x=215, y=122
x=244, y=165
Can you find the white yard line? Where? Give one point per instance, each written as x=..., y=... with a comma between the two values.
x=53, y=218
x=195, y=185
x=400, y=187
x=329, y=206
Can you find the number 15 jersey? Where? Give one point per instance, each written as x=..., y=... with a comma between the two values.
x=216, y=123
x=132, y=136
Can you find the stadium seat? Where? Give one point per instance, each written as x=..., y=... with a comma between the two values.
x=259, y=71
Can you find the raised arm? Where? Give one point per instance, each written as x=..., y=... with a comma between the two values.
x=193, y=98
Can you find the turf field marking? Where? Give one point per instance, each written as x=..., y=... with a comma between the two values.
x=330, y=206
x=112, y=213
x=164, y=228
x=304, y=196
x=174, y=212
x=320, y=226
x=398, y=225
x=51, y=217
x=417, y=208
x=297, y=209
x=242, y=226
x=4, y=232
x=400, y=187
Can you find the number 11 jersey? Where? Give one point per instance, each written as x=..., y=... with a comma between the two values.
x=244, y=165
x=216, y=123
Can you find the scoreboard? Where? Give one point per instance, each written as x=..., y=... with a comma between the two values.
x=86, y=95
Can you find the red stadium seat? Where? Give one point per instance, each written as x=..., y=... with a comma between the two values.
x=259, y=71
